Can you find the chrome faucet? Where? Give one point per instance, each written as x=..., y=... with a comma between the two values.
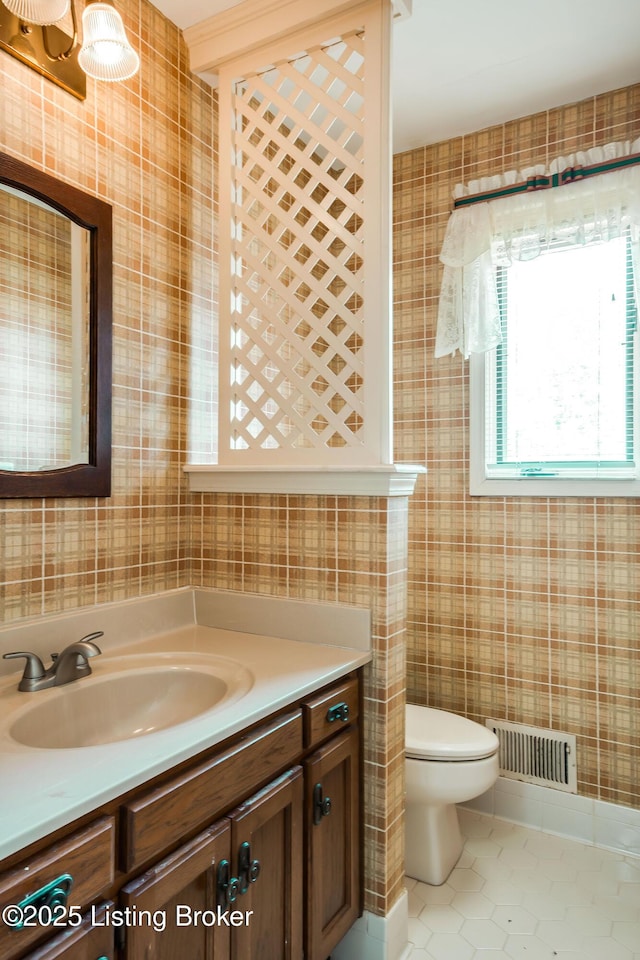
x=71, y=664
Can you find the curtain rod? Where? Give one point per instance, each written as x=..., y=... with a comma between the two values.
x=570, y=175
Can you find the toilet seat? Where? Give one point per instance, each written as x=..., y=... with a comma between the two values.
x=439, y=735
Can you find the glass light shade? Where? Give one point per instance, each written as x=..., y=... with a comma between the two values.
x=106, y=53
x=41, y=12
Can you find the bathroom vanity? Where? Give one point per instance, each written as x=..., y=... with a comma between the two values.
x=232, y=835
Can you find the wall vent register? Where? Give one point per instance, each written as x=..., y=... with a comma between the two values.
x=536, y=755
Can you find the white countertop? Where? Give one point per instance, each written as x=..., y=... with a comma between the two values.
x=44, y=789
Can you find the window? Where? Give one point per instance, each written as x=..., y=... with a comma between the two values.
x=554, y=407
x=540, y=287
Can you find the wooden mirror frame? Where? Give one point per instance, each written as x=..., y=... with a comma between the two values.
x=92, y=479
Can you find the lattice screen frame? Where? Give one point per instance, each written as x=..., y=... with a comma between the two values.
x=305, y=328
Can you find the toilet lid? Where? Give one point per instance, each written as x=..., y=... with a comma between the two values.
x=438, y=735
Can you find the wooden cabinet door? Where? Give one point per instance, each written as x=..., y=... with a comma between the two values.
x=332, y=812
x=172, y=908
x=90, y=941
x=271, y=880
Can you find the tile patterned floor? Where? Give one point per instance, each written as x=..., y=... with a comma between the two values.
x=518, y=894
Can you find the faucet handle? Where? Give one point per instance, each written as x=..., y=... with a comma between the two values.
x=33, y=668
x=90, y=637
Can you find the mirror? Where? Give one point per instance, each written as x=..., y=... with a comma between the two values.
x=55, y=337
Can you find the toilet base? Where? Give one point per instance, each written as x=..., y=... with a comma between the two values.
x=433, y=842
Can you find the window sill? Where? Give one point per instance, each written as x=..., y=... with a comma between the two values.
x=386, y=480
x=557, y=487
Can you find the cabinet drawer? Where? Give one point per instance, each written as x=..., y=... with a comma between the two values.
x=167, y=814
x=92, y=939
x=329, y=711
x=88, y=856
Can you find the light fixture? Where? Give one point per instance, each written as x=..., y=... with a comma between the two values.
x=106, y=53
x=40, y=12
x=31, y=31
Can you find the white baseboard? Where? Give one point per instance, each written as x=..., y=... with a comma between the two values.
x=596, y=822
x=377, y=938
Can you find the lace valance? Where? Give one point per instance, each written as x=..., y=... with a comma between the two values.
x=493, y=233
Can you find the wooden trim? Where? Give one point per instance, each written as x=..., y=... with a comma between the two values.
x=241, y=29
x=392, y=480
x=92, y=479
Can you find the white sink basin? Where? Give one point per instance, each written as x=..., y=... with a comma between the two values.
x=128, y=697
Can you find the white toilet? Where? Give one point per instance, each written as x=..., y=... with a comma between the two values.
x=449, y=759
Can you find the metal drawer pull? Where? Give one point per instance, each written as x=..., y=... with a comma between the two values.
x=321, y=805
x=340, y=711
x=54, y=894
x=228, y=887
x=248, y=869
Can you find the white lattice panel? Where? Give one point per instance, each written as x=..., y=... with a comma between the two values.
x=297, y=341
